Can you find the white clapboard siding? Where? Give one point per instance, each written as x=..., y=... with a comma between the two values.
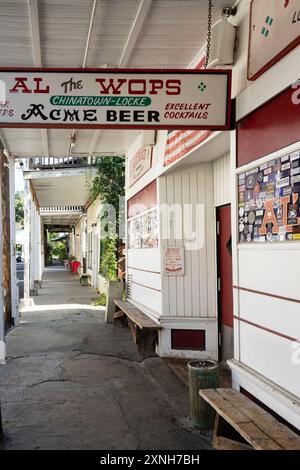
x=147, y=299
x=147, y=259
x=276, y=314
x=274, y=269
x=144, y=269
x=222, y=181
x=271, y=356
x=191, y=295
x=270, y=325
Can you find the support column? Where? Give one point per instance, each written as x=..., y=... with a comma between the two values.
x=14, y=280
x=27, y=222
x=8, y=319
x=2, y=327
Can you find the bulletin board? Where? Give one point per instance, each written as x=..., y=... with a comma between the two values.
x=268, y=196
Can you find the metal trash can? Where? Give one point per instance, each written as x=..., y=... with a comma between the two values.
x=202, y=374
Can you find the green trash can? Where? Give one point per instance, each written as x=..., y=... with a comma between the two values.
x=202, y=374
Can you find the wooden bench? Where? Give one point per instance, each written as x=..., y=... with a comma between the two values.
x=144, y=330
x=242, y=425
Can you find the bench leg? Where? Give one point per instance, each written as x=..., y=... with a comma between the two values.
x=146, y=340
x=223, y=438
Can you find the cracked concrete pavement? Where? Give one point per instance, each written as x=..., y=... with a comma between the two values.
x=73, y=382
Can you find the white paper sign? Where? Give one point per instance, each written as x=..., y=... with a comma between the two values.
x=122, y=99
x=174, y=261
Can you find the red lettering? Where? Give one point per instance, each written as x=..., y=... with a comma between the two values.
x=115, y=89
x=37, y=86
x=20, y=83
x=173, y=87
x=131, y=91
x=269, y=217
x=284, y=201
x=155, y=85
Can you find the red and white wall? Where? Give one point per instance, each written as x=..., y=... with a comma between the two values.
x=265, y=275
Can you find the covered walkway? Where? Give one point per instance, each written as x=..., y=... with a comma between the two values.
x=73, y=382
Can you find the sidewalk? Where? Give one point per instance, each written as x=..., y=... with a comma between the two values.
x=73, y=382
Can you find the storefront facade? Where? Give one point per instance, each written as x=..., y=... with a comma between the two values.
x=219, y=289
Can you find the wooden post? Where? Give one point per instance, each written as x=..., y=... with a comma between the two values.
x=27, y=216
x=14, y=281
x=2, y=326
x=8, y=319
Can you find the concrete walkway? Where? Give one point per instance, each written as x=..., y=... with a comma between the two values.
x=73, y=382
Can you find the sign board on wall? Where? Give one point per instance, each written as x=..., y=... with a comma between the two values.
x=174, y=261
x=274, y=31
x=269, y=205
x=140, y=164
x=115, y=99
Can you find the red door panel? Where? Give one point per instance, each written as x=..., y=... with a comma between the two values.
x=225, y=266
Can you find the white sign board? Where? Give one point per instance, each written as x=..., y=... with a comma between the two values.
x=174, y=261
x=140, y=164
x=274, y=31
x=122, y=99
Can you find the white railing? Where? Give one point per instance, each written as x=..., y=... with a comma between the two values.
x=40, y=163
x=58, y=209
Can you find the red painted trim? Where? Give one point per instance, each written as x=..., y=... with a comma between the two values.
x=170, y=127
x=146, y=287
x=144, y=270
x=275, y=59
x=264, y=328
x=271, y=127
x=147, y=198
x=114, y=70
x=226, y=126
x=267, y=294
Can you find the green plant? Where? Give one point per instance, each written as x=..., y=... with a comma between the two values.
x=109, y=185
x=108, y=265
x=101, y=301
x=19, y=208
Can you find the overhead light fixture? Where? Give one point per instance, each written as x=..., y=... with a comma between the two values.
x=229, y=11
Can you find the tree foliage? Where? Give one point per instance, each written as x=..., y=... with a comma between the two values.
x=56, y=248
x=19, y=208
x=109, y=185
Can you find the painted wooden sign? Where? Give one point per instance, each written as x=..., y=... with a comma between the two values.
x=140, y=164
x=269, y=205
x=115, y=99
x=274, y=31
x=174, y=261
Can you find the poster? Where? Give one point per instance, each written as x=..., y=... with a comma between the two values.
x=134, y=233
x=269, y=201
x=143, y=230
x=174, y=261
x=149, y=222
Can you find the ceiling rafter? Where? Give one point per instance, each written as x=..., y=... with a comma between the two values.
x=127, y=51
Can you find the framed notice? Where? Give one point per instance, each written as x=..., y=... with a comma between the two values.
x=140, y=164
x=115, y=98
x=269, y=205
x=274, y=31
x=173, y=261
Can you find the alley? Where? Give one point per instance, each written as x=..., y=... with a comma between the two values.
x=73, y=382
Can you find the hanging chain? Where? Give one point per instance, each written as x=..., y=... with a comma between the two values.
x=210, y=7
